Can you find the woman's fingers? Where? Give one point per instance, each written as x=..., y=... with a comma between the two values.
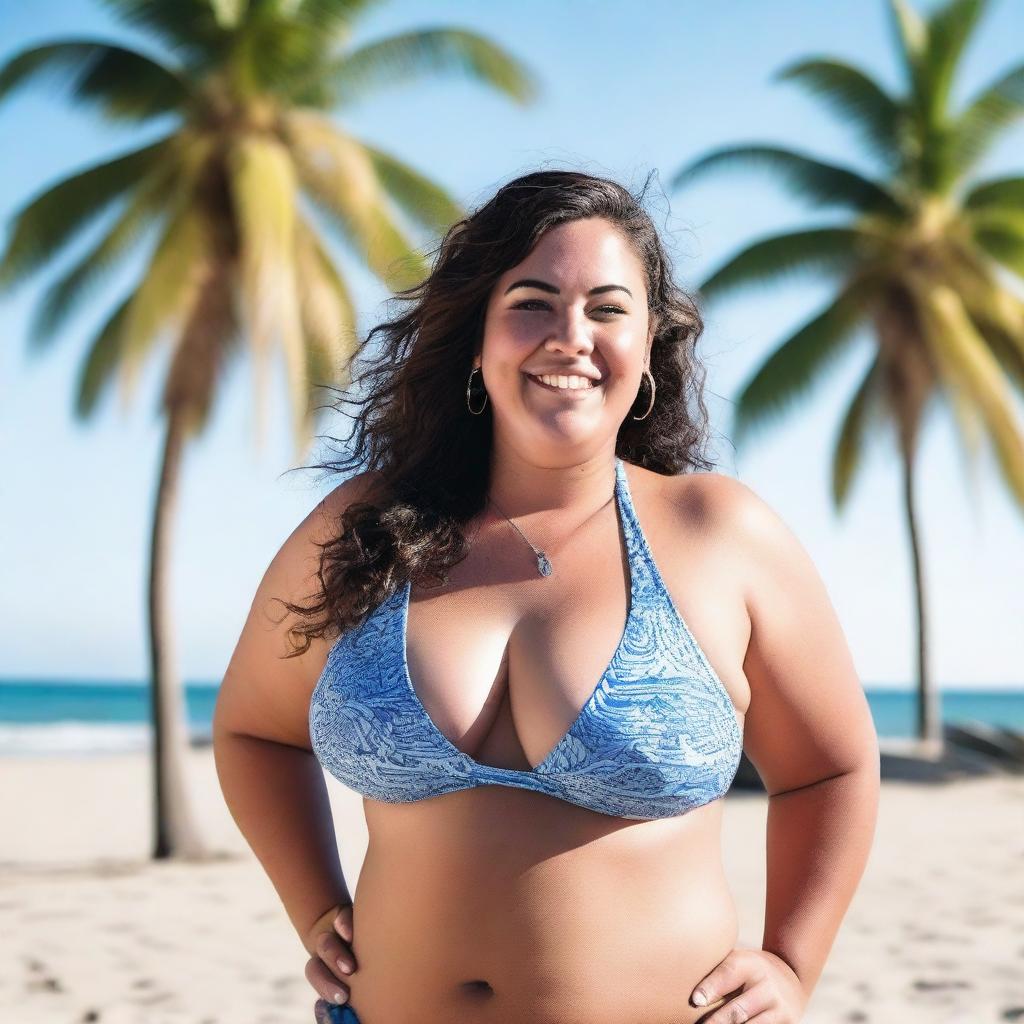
x=326, y=984
x=335, y=953
x=343, y=922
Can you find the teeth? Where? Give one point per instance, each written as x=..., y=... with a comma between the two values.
x=571, y=383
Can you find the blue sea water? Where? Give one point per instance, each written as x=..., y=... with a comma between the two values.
x=84, y=716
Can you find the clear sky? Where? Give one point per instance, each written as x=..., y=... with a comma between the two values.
x=626, y=88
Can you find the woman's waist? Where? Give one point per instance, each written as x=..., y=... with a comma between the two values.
x=591, y=961
x=558, y=917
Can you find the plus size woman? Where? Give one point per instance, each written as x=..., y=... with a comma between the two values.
x=535, y=631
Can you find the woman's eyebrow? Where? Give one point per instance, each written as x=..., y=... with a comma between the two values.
x=530, y=282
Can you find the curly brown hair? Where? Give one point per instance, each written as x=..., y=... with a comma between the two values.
x=426, y=455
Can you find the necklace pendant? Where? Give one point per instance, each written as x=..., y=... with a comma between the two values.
x=543, y=565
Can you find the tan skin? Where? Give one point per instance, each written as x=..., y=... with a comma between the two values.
x=500, y=904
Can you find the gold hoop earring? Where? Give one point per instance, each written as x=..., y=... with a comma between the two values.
x=650, y=405
x=475, y=412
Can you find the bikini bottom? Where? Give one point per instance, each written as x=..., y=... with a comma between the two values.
x=331, y=1013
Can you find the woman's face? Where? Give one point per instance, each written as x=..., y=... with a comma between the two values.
x=577, y=305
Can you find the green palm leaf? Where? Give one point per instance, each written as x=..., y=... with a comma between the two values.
x=408, y=56
x=65, y=296
x=423, y=201
x=805, y=177
x=977, y=128
x=851, y=442
x=1004, y=192
x=264, y=192
x=821, y=250
x=966, y=363
x=860, y=101
x=49, y=222
x=949, y=30
x=339, y=176
x=999, y=231
x=165, y=292
x=122, y=82
x=101, y=362
x=799, y=362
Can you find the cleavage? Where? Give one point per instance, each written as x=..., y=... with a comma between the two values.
x=503, y=660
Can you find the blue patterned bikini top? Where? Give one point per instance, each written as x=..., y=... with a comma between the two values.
x=657, y=737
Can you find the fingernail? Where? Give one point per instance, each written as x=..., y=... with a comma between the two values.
x=344, y=966
x=340, y=997
x=699, y=999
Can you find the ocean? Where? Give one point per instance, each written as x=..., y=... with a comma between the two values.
x=67, y=716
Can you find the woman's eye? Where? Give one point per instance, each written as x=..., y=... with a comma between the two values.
x=539, y=302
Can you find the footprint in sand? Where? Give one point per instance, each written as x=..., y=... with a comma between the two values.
x=933, y=985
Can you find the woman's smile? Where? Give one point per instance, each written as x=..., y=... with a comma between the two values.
x=573, y=387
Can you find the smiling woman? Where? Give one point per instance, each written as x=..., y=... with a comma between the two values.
x=537, y=645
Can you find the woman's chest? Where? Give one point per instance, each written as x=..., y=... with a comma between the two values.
x=505, y=661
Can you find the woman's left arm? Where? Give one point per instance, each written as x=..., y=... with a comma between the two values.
x=809, y=733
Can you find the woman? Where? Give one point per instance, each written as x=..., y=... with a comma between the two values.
x=544, y=847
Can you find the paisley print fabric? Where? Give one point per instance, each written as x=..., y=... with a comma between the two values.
x=657, y=737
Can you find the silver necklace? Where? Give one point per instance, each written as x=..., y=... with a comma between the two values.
x=544, y=566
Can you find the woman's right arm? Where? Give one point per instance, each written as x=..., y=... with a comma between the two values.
x=272, y=782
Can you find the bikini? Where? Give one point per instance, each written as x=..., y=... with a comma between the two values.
x=657, y=737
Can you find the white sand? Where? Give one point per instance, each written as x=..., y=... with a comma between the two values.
x=93, y=931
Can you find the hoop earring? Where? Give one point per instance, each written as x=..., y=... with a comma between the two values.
x=650, y=405
x=475, y=412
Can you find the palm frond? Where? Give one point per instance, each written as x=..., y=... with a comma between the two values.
x=851, y=442
x=417, y=196
x=1006, y=192
x=328, y=312
x=409, y=56
x=966, y=363
x=999, y=231
x=858, y=99
x=949, y=30
x=62, y=298
x=122, y=82
x=101, y=362
x=820, y=250
x=339, y=176
x=45, y=225
x=910, y=35
x=791, y=370
x=165, y=291
x=189, y=27
x=806, y=177
x=264, y=194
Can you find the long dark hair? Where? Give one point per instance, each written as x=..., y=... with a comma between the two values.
x=427, y=455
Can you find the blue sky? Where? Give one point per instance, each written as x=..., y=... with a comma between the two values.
x=625, y=88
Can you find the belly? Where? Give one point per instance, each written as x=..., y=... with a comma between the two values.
x=499, y=905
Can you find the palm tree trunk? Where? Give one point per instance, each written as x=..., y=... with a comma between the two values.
x=175, y=829
x=909, y=380
x=929, y=726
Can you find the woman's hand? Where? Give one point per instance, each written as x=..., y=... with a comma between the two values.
x=329, y=941
x=751, y=985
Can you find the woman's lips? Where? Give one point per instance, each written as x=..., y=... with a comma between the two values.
x=576, y=393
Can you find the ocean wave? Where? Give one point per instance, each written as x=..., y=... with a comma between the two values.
x=83, y=738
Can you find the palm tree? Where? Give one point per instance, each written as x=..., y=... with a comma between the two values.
x=228, y=198
x=930, y=258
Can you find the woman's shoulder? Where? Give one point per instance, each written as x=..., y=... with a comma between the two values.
x=733, y=509
x=356, y=488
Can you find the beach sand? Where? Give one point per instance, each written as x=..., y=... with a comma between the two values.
x=93, y=931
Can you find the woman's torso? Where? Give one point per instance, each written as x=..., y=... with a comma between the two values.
x=497, y=903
